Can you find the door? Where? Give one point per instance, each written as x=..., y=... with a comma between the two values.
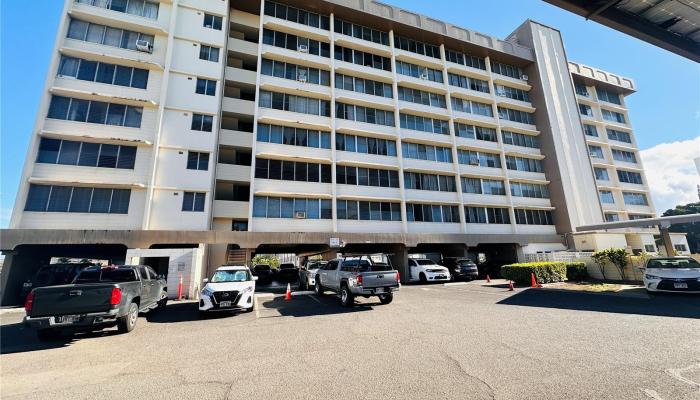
x=156, y=287
x=412, y=269
x=332, y=274
x=147, y=288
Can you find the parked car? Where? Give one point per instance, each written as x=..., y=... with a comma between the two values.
x=424, y=270
x=230, y=288
x=672, y=274
x=307, y=274
x=461, y=268
x=98, y=297
x=264, y=272
x=52, y=275
x=288, y=272
x=358, y=275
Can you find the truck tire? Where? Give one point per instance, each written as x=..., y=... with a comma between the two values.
x=48, y=335
x=386, y=298
x=346, y=297
x=422, y=278
x=318, y=289
x=127, y=323
x=163, y=302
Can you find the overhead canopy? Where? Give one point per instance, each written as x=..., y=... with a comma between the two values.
x=663, y=222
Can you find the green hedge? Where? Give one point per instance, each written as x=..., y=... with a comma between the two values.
x=545, y=272
x=576, y=271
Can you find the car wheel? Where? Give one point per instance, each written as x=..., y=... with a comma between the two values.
x=252, y=307
x=422, y=278
x=48, y=335
x=202, y=314
x=346, y=297
x=317, y=288
x=163, y=301
x=386, y=298
x=127, y=323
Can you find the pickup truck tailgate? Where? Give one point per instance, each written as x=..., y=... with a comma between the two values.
x=71, y=299
x=379, y=279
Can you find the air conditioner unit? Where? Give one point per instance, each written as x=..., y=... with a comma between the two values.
x=424, y=76
x=474, y=162
x=300, y=215
x=301, y=76
x=524, y=77
x=144, y=45
x=303, y=48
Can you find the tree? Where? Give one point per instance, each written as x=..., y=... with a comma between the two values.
x=618, y=258
x=692, y=230
x=272, y=260
x=600, y=258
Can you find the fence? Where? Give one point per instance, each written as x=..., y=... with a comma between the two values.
x=632, y=269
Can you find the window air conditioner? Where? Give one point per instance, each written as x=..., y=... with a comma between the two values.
x=303, y=48
x=474, y=162
x=301, y=77
x=144, y=45
x=524, y=77
x=300, y=215
x=424, y=76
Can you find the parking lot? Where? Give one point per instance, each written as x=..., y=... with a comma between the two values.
x=468, y=341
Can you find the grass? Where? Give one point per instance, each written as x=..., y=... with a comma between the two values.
x=589, y=286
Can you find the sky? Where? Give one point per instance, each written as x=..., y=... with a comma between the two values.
x=665, y=112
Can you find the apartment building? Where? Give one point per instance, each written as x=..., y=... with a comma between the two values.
x=280, y=124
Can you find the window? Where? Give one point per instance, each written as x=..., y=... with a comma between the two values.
x=100, y=34
x=585, y=109
x=293, y=136
x=349, y=175
x=601, y=174
x=606, y=197
x=612, y=217
x=95, y=112
x=581, y=89
x=475, y=132
x=609, y=96
x=295, y=72
x=363, y=144
x=533, y=217
x=212, y=22
x=292, y=171
x=239, y=226
x=635, y=199
x=297, y=15
x=368, y=210
x=438, y=183
x=193, y=201
x=479, y=159
x=364, y=114
x=197, y=161
x=146, y=9
x=287, y=207
x=71, y=67
x=633, y=217
x=414, y=46
x=590, y=130
x=361, y=32
x=431, y=213
x=468, y=83
x=418, y=123
x=465, y=59
x=532, y=190
x=361, y=85
x=497, y=215
x=516, y=116
x=206, y=87
x=426, y=152
x=287, y=102
x=629, y=177
x=296, y=43
x=519, y=139
x=506, y=70
x=524, y=164
x=649, y=248
x=208, y=53
x=421, y=97
x=595, y=151
x=680, y=247
x=619, y=136
x=613, y=116
x=361, y=58
x=626, y=156
x=417, y=71
x=66, y=152
x=202, y=123
x=46, y=198
x=512, y=93
x=471, y=107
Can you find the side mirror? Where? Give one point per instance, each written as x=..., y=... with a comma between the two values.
x=205, y=280
x=255, y=278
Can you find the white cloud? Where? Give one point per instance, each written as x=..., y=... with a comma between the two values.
x=671, y=172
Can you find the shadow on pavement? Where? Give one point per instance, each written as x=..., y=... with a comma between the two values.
x=307, y=306
x=184, y=311
x=675, y=305
x=15, y=338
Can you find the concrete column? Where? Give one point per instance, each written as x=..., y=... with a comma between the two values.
x=668, y=243
x=399, y=260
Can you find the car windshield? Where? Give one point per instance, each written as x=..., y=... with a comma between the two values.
x=425, y=262
x=317, y=265
x=106, y=275
x=673, y=263
x=262, y=267
x=230, y=276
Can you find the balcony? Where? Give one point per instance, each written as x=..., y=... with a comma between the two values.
x=235, y=138
x=240, y=75
x=484, y=120
x=420, y=84
x=366, y=160
x=423, y=110
x=294, y=57
x=297, y=120
x=361, y=44
x=512, y=82
x=411, y=164
x=418, y=59
x=515, y=104
x=475, y=144
x=469, y=94
x=282, y=25
x=104, y=16
x=296, y=88
x=362, y=71
x=477, y=170
x=230, y=209
x=116, y=55
x=530, y=202
x=232, y=172
x=526, y=175
x=467, y=71
x=238, y=106
x=363, y=128
x=364, y=99
x=367, y=193
x=271, y=187
x=475, y=199
x=71, y=87
x=242, y=46
x=426, y=137
x=431, y=196
x=292, y=153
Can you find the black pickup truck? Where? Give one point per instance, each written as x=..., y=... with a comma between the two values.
x=99, y=297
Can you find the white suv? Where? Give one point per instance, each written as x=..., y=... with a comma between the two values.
x=230, y=288
x=424, y=270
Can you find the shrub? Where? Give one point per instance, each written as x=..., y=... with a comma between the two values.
x=545, y=272
x=576, y=271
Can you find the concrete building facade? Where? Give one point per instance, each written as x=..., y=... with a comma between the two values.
x=321, y=119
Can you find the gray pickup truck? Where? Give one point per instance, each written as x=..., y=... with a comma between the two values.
x=98, y=297
x=358, y=275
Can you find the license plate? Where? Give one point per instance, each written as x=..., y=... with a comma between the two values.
x=225, y=304
x=379, y=290
x=680, y=285
x=67, y=319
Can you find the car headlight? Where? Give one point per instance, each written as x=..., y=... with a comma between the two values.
x=248, y=289
x=207, y=291
x=651, y=277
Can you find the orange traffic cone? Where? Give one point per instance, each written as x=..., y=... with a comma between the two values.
x=488, y=279
x=533, y=281
x=179, y=289
x=510, y=286
x=288, y=295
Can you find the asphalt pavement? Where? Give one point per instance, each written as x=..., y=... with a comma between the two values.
x=471, y=341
